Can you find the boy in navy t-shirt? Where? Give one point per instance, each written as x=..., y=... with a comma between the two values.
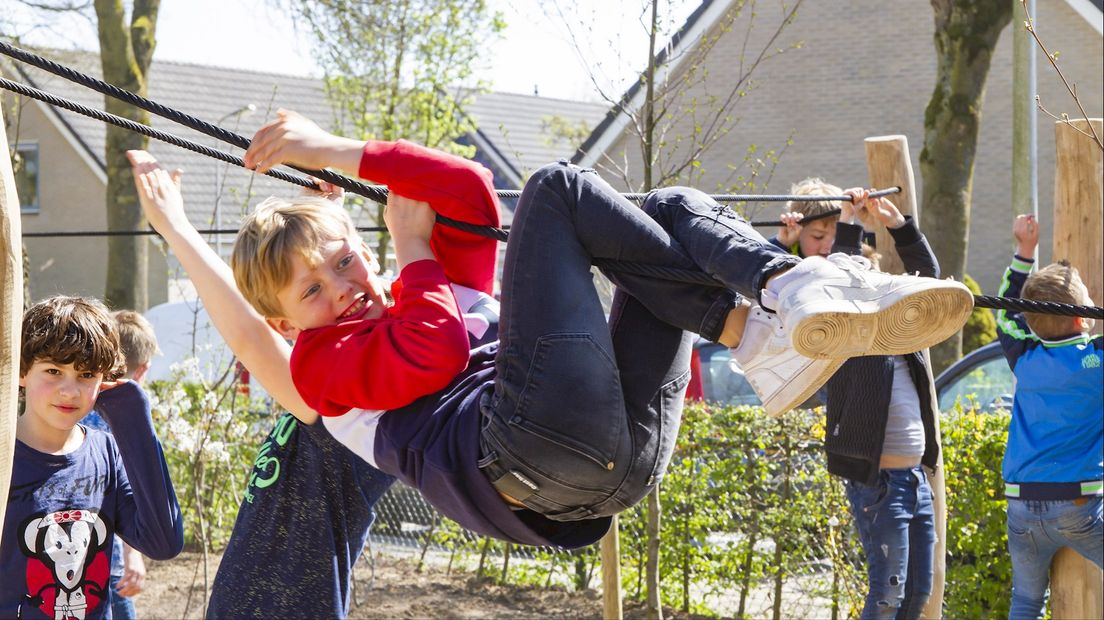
x=73, y=488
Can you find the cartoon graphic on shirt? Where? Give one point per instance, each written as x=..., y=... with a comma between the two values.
x=67, y=567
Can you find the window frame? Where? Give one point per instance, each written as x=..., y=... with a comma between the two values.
x=36, y=207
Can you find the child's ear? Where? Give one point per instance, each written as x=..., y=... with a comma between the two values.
x=283, y=327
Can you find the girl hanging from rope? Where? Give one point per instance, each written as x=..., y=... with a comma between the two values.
x=566, y=420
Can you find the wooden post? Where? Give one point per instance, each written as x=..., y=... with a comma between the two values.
x=888, y=164
x=11, y=312
x=611, y=574
x=1075, y=583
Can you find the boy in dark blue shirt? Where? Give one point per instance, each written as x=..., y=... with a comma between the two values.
x=73, y=488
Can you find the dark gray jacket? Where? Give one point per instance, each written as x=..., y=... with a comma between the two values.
x=859, y=392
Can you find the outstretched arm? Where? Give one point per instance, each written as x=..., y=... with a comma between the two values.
x=257, y=345
x=1012, y=330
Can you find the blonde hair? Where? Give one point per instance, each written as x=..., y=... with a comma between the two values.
x=872, y=255
x=1058, y=282
x=273, y=234
x=136, y=338
x=813, y=186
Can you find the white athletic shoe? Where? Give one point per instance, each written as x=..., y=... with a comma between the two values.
x=837, y=308
x=782, y=377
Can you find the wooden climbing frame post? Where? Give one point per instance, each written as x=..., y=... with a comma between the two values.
x=611, y=574
x=1075, y=583
x=11, y=312
x=888, y=164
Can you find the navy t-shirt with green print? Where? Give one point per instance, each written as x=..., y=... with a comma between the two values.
x=303, y=522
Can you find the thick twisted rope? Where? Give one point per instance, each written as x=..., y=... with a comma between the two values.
x=379, y=193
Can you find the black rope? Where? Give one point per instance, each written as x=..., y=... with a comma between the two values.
x=379, y=193
x=151, y=233
x=374, y=192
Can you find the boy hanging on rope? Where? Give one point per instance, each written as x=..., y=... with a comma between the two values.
x=74, y=489
x=567, y=420
x=1053, y=466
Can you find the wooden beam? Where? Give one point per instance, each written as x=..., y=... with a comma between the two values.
x=11, y=312
x=1075, y=583
x=888, y=164
x=611, y=574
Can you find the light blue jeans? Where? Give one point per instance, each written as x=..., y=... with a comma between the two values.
x=896, y=524
x=122, y=607
x=1036, y=530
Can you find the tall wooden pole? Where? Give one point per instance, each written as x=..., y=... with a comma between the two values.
x=1075, y=583
x=611, y=574
x=888, y=164
x=11, y=312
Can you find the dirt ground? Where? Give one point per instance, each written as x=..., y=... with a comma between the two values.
x=398, y=591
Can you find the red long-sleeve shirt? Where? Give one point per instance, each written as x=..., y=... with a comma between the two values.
x=421, y=343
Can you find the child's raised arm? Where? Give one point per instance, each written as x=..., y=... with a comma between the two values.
x=259, y=348
x=453, y=186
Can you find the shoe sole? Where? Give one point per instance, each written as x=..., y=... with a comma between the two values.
x=782, y=401
x=914, y=321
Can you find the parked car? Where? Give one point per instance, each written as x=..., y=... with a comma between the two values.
x=984, y=373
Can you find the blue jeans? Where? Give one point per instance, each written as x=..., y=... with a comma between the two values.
x=588, y=411
x=1036, y=530
x=896, y=524
x=122, y=607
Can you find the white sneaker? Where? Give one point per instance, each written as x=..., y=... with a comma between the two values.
x=782, y=377
x=837, y=307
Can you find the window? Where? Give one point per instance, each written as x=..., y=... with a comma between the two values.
x=25, y=166
x=990, y=382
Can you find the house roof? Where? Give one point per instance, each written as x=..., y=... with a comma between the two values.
x=512, y=135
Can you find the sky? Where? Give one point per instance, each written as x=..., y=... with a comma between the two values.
x=535, y=54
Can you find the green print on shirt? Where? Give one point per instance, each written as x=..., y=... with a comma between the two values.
x=266, y=469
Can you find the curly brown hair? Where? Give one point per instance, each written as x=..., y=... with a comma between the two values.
x=72, y=330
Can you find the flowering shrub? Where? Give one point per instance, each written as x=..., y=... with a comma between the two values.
x=210, y=434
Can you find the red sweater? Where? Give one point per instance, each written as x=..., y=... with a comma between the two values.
x=421, y=343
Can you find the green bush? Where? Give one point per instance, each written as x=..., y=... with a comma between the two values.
x=979, y=570
x=981, y=327
x=210, y=435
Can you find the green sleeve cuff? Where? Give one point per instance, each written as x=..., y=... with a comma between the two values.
x=1021, y=264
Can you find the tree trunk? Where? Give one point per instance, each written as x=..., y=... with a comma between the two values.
x=965, y=34
x=125, y=55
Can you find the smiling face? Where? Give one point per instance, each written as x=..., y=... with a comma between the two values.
x=58, y=396
x=342, y=286
x=817, y=237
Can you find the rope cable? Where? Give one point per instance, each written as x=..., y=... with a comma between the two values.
x=378, y=193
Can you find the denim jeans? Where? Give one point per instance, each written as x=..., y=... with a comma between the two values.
x=122, y=607
x=588, y=410
x=1036, y=530
x=896, y=524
